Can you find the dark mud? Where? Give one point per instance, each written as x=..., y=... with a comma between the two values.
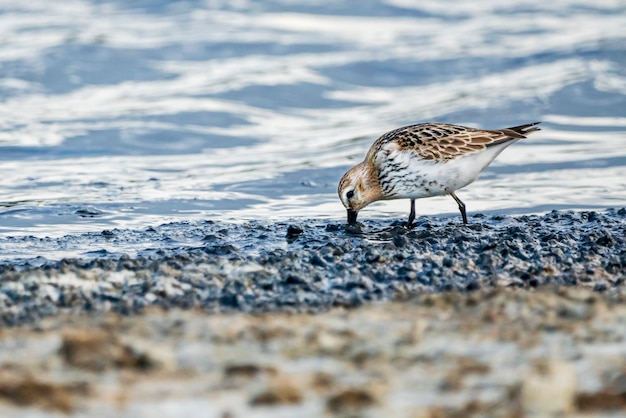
x=309, y=266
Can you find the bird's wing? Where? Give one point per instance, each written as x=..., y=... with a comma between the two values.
x=441, y=142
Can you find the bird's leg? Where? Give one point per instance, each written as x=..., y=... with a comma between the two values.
x=461, y=207
x=411, y=214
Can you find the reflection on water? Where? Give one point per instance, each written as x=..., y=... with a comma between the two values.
x=118, y=115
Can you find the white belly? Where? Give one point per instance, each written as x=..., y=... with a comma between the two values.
x=414, y=178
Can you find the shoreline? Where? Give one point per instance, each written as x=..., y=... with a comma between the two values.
x=437, y=321
x=312, y=267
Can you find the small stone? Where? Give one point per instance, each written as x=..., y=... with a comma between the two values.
x=322, y=381
x=400, y=241
x=279, y=392
x=351, y=400
x=601, y=401
x=294, y=231
x=26, y=390
x=600, y=287
x=99, y=350
x=468, y=365
x=333, y=227
x=88, y=212
x=247, y=370
x=451, y=383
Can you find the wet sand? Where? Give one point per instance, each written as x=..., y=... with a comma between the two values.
x=511, y=316
x=496, y=352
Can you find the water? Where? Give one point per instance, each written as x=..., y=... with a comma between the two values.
x=117, y=114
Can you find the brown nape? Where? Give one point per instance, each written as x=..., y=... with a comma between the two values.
x=371, y=186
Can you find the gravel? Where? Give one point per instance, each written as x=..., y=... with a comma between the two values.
x=309, y=266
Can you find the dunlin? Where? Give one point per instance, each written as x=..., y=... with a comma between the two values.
x=424, y=160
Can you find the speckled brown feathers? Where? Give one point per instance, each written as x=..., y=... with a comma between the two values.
x=442, y=142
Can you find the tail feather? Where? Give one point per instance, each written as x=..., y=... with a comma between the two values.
x=513, y=134
x=522, y=130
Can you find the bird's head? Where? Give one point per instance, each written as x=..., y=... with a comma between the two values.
x=357, y=189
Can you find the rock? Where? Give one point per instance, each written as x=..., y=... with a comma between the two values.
x=294, y=230
x=100, y=350
x=351, y=400
x=25, y=390
x=281, y=391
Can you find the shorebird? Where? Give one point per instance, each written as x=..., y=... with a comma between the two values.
x=424, y=160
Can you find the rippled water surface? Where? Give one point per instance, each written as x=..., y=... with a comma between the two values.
x=117, y=114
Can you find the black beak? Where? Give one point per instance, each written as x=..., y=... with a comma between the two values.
x=352, y=214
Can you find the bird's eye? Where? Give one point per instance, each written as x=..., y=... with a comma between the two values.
x=350, y=194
